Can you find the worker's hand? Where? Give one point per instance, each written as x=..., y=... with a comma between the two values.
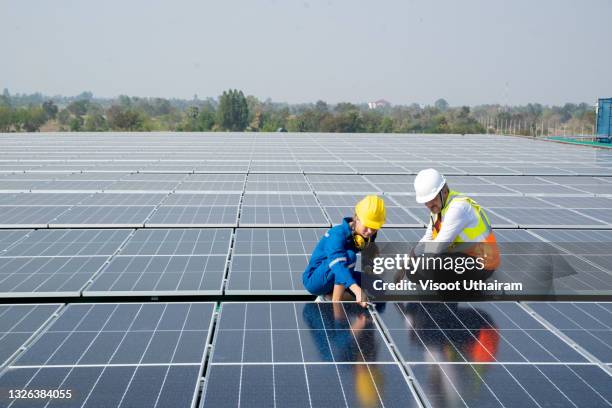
x=361, y=298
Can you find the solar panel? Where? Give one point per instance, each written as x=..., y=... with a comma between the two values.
x=275, y=241
x=271, y=261
x=216, y=178
x=547, y=190
x=324, y=167
x=472, y=332
x=137, y=355
x=19, y=324
x=202, y=200
x=288, y=216
x=141, y=185
x=213, y=241
x=263, y=349
x=279, y=200
x=274, y=167
x=103, y=216
x=47, y=276
x=589, y=325
x=602, y=216
x=29, y=216
x=78, y=242
x=160, y=275
x=579, y=202
x=225, y=166
x=572, y=180
x=11, y=237
x=42, y=199
x=545, y=218
x=475, y=385
x=121, y=199
x=210, y=186
x=193, y=216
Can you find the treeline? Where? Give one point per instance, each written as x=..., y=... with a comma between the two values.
x=535, y=119
x=233, y=111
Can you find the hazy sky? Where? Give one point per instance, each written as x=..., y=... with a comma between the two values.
x=469, y=52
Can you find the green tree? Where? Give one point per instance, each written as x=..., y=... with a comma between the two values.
x=50, y=109
x=76, y=124
x=95, y=122
x=233, y=111
x=63, y=117
x=441, y=105
x=30, y=119
x=121, y=118
x=6, y=118
x=79, y=108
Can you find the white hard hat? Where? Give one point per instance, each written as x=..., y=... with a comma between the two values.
x=428, y=184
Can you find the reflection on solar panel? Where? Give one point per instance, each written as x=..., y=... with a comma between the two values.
x=472, y=332
x=18, y=324
x=137, y=355
x=318, y=351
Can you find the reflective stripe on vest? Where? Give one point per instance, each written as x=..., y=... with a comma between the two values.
x=481, y=233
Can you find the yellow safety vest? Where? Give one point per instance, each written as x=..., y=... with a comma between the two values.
x=478, y=241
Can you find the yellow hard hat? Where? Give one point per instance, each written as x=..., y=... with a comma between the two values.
x=371, y=212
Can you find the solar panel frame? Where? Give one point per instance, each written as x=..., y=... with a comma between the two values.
x=19, y=325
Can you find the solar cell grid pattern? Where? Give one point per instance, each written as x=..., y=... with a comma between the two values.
x=250, y=212
x=589, y=325
x=18, y=324
x=171, y=261
x=130, y=355
x=301, y=354
x=271, y=261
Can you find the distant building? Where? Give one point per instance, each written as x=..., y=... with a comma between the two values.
x=603, y=114
x=381, y=103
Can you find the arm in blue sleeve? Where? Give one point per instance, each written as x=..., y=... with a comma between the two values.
x=338, y=262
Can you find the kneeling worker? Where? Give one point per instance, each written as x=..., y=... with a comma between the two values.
x=458, y=226
x=331, y=269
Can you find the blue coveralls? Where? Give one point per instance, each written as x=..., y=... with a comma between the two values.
x=333, y=261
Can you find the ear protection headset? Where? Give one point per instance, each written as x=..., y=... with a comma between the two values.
x=360, y=242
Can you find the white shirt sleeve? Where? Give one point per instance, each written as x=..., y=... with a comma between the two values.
x=460, y=215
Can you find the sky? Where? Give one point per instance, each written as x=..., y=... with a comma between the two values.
x=469, y=52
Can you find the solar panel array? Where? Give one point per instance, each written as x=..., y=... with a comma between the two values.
x=233, y=218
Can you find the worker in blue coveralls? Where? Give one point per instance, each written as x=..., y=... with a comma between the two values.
x=331, y=270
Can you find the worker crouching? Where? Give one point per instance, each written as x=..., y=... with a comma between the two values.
x=459, y=229
x=331, y=270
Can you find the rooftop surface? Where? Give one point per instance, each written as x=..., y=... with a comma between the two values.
x=142, y=270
